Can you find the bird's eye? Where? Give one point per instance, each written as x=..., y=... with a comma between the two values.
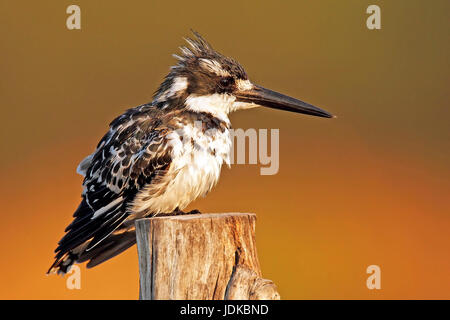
x=226, y=82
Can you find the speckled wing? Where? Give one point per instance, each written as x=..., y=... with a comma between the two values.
x=128, y=157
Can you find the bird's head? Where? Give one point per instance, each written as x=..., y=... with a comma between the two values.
x=207, y=81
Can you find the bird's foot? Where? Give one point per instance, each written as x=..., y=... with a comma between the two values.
x=195, y=211
x=179, y=212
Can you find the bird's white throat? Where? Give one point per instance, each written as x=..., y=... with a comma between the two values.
x=219, y=105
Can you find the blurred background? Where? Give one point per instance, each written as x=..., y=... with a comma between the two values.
x=370, y=187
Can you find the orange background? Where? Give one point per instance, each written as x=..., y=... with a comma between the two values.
x=370, y=187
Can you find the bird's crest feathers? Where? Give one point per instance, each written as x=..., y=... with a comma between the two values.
x=200, y=50
x=199, y=47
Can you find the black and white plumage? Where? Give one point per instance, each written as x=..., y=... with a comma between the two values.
x=159, y=157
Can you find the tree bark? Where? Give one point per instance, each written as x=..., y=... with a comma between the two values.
x=200, y=256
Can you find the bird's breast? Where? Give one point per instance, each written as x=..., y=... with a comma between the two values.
x=197, y=162
x=197, y=158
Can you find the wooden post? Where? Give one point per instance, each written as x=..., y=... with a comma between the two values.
x=200, y=256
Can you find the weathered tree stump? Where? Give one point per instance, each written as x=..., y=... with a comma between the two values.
x=201, y=256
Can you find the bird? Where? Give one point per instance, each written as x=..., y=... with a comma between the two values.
x=158, y=157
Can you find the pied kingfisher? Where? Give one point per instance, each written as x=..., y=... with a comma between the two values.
x=158, y=157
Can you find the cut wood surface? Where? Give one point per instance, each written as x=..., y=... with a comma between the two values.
x=200, y=256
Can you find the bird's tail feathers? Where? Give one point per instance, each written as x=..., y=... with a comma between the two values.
x=114, y=244
x=62, y=265
x=110, y=247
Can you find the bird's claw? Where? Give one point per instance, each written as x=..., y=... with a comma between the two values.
x=179, y=212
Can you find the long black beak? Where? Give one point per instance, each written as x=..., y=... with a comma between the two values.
x=268, y=98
